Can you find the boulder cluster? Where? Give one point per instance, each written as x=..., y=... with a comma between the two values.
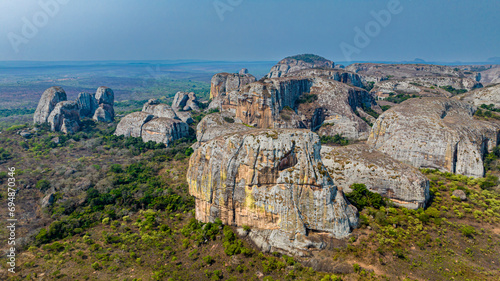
x=159, y=122
x=65, y=116
x=259, y=161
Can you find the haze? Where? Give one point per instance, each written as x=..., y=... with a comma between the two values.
x=257, y=30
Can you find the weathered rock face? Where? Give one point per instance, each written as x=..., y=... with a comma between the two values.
x=273, y=103
x=333, y=74
x=158, y=109
x=164, y=130
x=105, y=98
x=418, y=84
x=185, y=101
x=380, y=71
x=218, y=124
x=131, y=125
x=272, y=181
x=299, y=62
x=435, y=133
x=87, y=105
x=47, y=103
x=488, y=95
x=226, y=82
x=65, y=117
x=243, y=71
x=403, y=184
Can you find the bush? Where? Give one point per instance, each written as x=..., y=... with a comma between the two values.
x=361, y=197
x=337, y=139
x=43, y=185
x=307, y=98
x=468, y=231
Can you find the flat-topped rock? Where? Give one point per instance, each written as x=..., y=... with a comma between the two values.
x=403, y=184
x=488, y=95
x=226, y=82
x=164, y=130
x=131, y=125
x=299, y=62
x=218, y=124
x=158, y=109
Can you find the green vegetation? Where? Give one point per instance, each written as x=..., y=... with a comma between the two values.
x=385, y=107
x=399, y=98
x=337, y=139
x=309, y=58
x=16, y=111
x=453, y=90
x=361, y=197
x=369, y=86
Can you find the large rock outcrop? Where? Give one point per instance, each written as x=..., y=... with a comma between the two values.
x=274, y=182
x=65, y=117
x=131, y=125
x=225, y=82
x=87, y=105
x=299, y=62
x=218, y=124
x=294, y=102
x=164, y=130
x=105, y=98
x=334, y=74
x=436, y=133
x=403, y=184
x=156, y=122
x=47, y=103
x=478, y=97
x=185, y=102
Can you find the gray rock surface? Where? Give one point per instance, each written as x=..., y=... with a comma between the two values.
x=226, y=82
x=340, y=75
x=105, y=98
x=272, y=181
x=131, y=125
x=87, y=105
x=243, y=71
x=65, y=117
x=158, y=109
x=460, y=194
x=218, y=124
x=47, y=103
x=488, y=95
x=185, y=101
x=296, y=63
x=435, y=133
x=403, y=184
x=164, y=130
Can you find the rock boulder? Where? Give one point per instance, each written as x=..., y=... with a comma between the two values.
x=65, y=117
x=47, y=103
x=225, y=82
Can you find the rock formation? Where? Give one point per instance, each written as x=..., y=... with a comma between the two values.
x=154, y=107
x=164, y=130
x=299, y=62
x=48, y=101
x=105, y=98
x=478, y=97
x=218, y=124
x=226, y=82
x=274, y=182
x=98, y=106
x=380, y=71
x=131, y=125
x=65, y=117
x=185, y=102
x=435, y=133
x=156, y=122
x=404, y=185
x=278, y=103
x=334, y=74
x=419, y=84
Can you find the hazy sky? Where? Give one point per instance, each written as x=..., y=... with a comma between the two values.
x=433, y=30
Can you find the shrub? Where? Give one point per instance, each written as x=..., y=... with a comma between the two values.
x=336, y=139
x=43, y=185
x=468, y=231
x=361, y=197
x=96, y=266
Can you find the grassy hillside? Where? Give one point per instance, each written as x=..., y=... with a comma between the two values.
x=122, y=211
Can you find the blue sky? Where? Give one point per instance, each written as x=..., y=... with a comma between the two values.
x=433, y=30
